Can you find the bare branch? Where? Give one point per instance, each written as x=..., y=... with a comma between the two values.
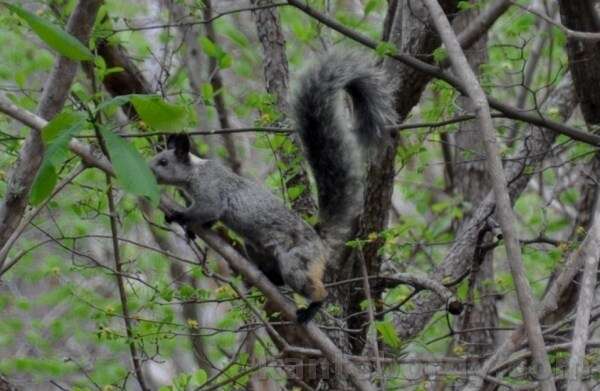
x=31, y=215
x=584, y=307
x=504, y=211
x=137, y=365
x=482, y=23
x=582, y=35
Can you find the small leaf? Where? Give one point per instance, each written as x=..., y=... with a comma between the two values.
x=210, y=48
x=207, y=92
x=56, y=136
x=44, y=183
x=158, y=114
x=371, y=6
x=388, y=333
x=54, y=36
x=199, y=377
x=225, y=61
x=133, y=174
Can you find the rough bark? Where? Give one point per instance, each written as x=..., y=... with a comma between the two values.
x=216, y=80
x=584, y=56
x=471, y=182
x=412, y=33
x=584, y=307
x=275, y=69
x=56, y=90
x=276, y=76
x=5, y=385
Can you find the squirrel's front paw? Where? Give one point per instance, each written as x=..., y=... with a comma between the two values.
x=190, y=234
x=174, y=217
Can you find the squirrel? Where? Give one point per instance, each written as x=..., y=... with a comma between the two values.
x=283, y=246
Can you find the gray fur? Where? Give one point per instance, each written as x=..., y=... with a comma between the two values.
x=251, y=211
x=336, y=150
x=337, y=154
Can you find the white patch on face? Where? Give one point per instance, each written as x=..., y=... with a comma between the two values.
x=197, y=161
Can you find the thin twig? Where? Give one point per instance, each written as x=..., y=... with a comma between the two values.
x=372, y=331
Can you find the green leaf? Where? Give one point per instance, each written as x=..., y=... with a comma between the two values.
x=56, y=136
x=61, y=123
x=225, y=61
x=385, y=48
x=158, y=114
x=388, y=333
x=207, y=92
x=133, y=174
x=44, y=183
x=371, y=6
x=199, y=377
x=210, y=48
x=54, y=36
x=117, y=101
x=440, y=54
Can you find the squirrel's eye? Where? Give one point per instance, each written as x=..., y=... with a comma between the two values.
x=163, y=162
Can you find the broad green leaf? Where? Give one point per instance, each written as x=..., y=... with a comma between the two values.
x=56, y=136
x=133, y=174
x=44, y=183
x=388, y=333
x=158, y=114
x=54, y=36
x=61, y=123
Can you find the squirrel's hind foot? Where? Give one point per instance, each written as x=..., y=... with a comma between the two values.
x=305, y=315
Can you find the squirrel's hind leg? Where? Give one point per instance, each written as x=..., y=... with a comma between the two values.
x=304, y=315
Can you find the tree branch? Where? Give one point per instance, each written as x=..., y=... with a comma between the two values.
x=534, y=118
x=584, y=307
x=504, y=211
x=238, y=263
x=53, y=98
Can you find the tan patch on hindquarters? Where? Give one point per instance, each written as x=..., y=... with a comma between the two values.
x=316, y=269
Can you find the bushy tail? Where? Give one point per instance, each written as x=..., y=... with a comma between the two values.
x=335, y=148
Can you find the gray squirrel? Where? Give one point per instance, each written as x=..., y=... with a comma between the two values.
x=285, y=247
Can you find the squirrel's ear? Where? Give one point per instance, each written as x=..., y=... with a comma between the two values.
x=181, y=143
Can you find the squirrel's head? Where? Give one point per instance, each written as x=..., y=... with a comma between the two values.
x=173, y=166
